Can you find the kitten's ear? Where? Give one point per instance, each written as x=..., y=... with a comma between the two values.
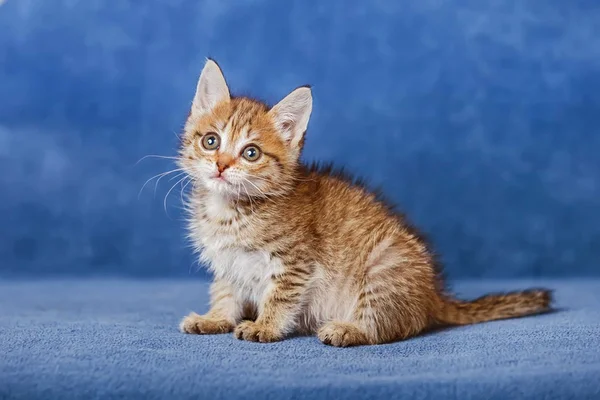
x=211, y=89
x=291, y=115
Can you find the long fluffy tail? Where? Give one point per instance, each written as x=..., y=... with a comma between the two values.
x=495, y=306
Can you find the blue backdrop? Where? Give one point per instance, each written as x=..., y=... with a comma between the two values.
x=480, y=118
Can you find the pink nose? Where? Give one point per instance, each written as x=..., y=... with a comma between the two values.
x=224, y=161
x=221, y=166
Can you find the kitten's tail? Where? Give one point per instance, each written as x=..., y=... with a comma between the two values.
x=495, y=306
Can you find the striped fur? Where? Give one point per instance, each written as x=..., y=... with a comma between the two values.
x=303, y=250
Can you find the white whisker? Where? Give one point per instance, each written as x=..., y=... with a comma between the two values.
x=249, y=198
x=183, y=188
x=272, y=195
x=157, y=175
x=156, y=156
x=158, y=180
x=175, y=177
x=257, y=188
x=169, y=192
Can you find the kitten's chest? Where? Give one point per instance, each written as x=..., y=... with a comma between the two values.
x=249, y=272
x=215, y=227
x=224, y=239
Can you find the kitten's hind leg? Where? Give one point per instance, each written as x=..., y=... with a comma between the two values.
x=379, y=317
x=224, y=313
x=342, y=334
x=395, y=299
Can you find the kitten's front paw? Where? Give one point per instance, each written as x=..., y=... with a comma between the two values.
x=255, y=332
x=201, y=325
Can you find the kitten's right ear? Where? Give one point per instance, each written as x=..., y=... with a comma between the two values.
x=211, y=90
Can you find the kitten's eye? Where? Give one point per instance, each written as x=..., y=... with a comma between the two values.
x=251, y=153
x=211, y=141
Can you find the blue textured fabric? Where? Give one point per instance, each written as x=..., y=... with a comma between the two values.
x=70, y=339
x=479, y=117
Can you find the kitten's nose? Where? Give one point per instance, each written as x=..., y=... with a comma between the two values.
x=222, y=167
x=223, y=162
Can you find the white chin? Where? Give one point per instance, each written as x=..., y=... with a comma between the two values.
x=220, y=187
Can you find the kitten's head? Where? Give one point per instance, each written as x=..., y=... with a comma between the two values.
x=238, y=146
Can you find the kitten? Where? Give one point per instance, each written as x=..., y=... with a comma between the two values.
x=301, y=250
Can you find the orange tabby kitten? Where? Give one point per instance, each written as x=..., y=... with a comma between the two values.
x=301, y=250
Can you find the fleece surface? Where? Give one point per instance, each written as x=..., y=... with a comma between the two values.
x=75, y=339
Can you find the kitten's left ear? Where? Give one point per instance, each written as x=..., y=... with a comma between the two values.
x=291, y=115
x=211, y=90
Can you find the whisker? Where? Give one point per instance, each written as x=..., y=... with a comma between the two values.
x=158, y=180
x=174, y=177
x=299, y=179
x=265, y=195
x=282, y=188
x=249, y=198
x=257, y=188
x=169, y=192
x=179, y=136
x=183, y=188
x=156, y=156
x=159, y=175
x=260, y=179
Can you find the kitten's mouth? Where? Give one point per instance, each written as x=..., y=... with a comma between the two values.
x=220, y=178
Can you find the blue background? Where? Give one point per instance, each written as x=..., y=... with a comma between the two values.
x=479, y=118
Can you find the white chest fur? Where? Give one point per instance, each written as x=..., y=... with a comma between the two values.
x=224, y=248
x=249, y=272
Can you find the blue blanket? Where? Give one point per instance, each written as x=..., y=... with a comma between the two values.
x=76, y=339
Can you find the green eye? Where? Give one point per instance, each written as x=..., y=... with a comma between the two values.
x=251, y=153
x=211, y=141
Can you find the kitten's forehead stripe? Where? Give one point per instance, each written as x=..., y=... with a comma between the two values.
x=246, y=113
x=251, y=135
x=232, y=112
x=244, y=119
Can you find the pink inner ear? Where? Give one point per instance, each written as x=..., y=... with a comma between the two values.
x=286, y=126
